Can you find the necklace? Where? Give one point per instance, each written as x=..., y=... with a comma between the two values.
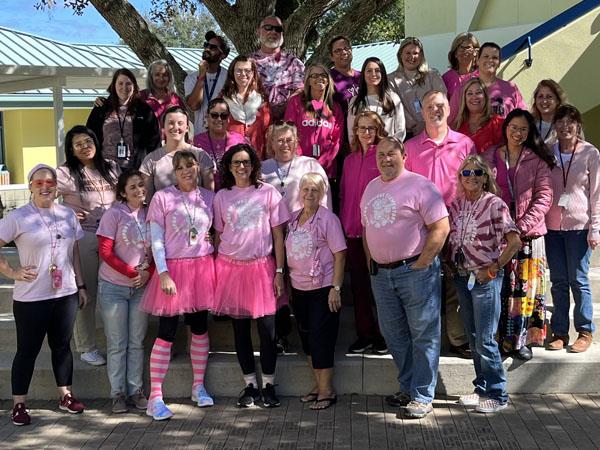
x=143, y=236
x=54, y=236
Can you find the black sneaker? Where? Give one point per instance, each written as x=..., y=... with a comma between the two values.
x=379, y=346
x=398, y=399
x=248, y=397
x=361, y=345
x=282, y=345
x=269, y=398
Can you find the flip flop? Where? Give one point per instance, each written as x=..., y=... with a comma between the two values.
x=329, y=401
x=311, y=397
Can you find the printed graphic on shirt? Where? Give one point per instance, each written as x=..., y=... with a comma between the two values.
x=317, y=123
x=302, y=244
x=181, y=224
x=131, y=233
x=381, y=210
x=466, y=232
x=245, y=215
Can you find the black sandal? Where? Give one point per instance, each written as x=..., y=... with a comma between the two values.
x=311, y=397
x=329, y=401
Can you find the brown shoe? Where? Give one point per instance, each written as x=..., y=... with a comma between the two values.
x=558, y=342
x=582, y=343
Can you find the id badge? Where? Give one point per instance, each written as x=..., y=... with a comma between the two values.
x=316, y=150
x=56, y=275
x=122, y=151
x=471, y=282
x=564, y=200
x=193, y=236
x=417, y=106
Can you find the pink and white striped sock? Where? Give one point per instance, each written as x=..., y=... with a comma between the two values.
x=199, y=357
x=159, y=365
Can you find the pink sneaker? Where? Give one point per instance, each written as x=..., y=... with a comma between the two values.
x=20, y=415
x=71, y=404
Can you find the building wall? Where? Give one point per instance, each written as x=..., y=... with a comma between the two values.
x=29, y=138
x=591, y=120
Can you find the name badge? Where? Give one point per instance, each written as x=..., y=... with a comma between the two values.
x=564, y=200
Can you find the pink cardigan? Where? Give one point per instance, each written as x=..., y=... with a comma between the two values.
x=532, y=190
x=583, y=188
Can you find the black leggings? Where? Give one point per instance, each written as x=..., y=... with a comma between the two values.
x=35, y=320
x=243, y=344
x=167, y=326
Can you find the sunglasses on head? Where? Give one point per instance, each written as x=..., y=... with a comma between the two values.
x=222, y=116
x=284, y=122
x=470, y=172
x=212, y=47
x=277, y=28
x=41, y=183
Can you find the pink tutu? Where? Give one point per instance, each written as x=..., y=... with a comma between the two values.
x=244, y=288
x=195, y=282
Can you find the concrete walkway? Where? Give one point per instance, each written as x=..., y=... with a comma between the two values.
x=356, y=422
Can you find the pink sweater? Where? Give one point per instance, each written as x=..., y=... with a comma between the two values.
x=532, y=190
x=358, y=171
x=583, y=190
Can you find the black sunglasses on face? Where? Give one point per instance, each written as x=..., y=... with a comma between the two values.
x=469, y=172
x=212, y=47
x=277, y=28
x=222, y=116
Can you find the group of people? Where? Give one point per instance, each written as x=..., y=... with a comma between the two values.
x=448, y=191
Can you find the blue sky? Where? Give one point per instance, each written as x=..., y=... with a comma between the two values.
x=60, y=23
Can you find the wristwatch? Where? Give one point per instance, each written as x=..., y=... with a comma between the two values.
x=337, y=288
x=279, y=270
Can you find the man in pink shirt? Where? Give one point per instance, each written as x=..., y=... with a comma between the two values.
x=405, y=226
x=437, y=154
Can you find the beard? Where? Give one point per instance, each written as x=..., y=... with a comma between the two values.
x=210, y=58
x=272, y=44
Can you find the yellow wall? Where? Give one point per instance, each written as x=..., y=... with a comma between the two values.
x=504, y=13
x=591, y=128
x=29, y=138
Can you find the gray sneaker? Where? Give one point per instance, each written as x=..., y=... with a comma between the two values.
x=139, y=400
x=119, y=406
x=417, y=410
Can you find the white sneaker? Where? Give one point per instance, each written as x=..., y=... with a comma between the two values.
x=490, y=405
x=469, y=400
x=93, y=358
x=158, y=410
x=201, y=397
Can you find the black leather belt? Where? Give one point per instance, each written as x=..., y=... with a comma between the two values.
x=402, y=262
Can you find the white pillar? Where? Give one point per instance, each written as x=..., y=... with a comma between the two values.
x=59, y=122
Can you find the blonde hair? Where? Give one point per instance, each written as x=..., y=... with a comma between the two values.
x=463, y=111
x=462, y=37
x=558, y=92
x=276, y=129
x=329, y=91
x=489, y=185
x=371, y=115
x=423, y=67
x=316, y=179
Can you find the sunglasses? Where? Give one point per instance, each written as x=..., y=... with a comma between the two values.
x=471, y=172
x=284, y=122
x=222, y=116
x=212, y=47
x=41, y=183
x=277, y=28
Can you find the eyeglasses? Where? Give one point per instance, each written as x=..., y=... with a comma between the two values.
x=239, y=162
x=363, y=129
x=516, y=129
x=212, y=47
x=465, y=48
x=41, y=183
x=471, y=172
x=83, y=144
x=276, y=28
x=315, y=76
x=239, y=72
x=339, y=51
x=222, y=116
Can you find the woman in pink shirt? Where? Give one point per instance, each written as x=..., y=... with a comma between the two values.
x=360, y=167
x=124, y=247
x=463, y=62
x=249, y=219
x=316, y=247
x=573, y=224
x=547, y=97
x=522, y=169
x=249, y=112
x=475, y=118
x=180, y=220
x=318, y=117
x=160, y=93
x=87, y=184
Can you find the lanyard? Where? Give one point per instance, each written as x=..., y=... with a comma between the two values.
x=565, y=176
x=468, y=215
x=190, y=217
x=121, y=124
x=143, y=232
x=212, y=149
x=550, y=128
x=54, y=235
x=214, y=85
x=279, y=175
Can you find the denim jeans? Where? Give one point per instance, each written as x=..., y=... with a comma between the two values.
x=408, y=305
x=568, y=256
x=125, y=327
x=480, y=310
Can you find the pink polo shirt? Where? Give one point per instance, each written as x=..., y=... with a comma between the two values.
x=395, y=213
x=245, y=216
x=310, y=248
x=439, y=163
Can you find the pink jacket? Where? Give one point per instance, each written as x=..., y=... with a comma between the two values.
x=583, y=189
x=532, y=190
x=358, y=171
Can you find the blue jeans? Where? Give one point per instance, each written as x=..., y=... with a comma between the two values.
x=480, y=311
x=125, y=327
x=568, y=256
x=408, y=305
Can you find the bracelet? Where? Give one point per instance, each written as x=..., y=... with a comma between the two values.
x=490, y=274
x=81, y=286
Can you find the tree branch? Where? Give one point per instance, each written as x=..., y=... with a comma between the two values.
x=302, y=21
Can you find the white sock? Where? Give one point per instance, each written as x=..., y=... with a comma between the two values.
x=251, y=378
x=268, y=379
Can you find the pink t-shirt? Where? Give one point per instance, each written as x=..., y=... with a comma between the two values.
x=395, y=213
x=439, y=163
x=289, y=174
x=479, y=228
x=131, y=235
x=159, y=106
x=310, y=248
x=97, y=195
x=177, y=212
x=35, y=232
x=453, y=80
x=245, y=216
